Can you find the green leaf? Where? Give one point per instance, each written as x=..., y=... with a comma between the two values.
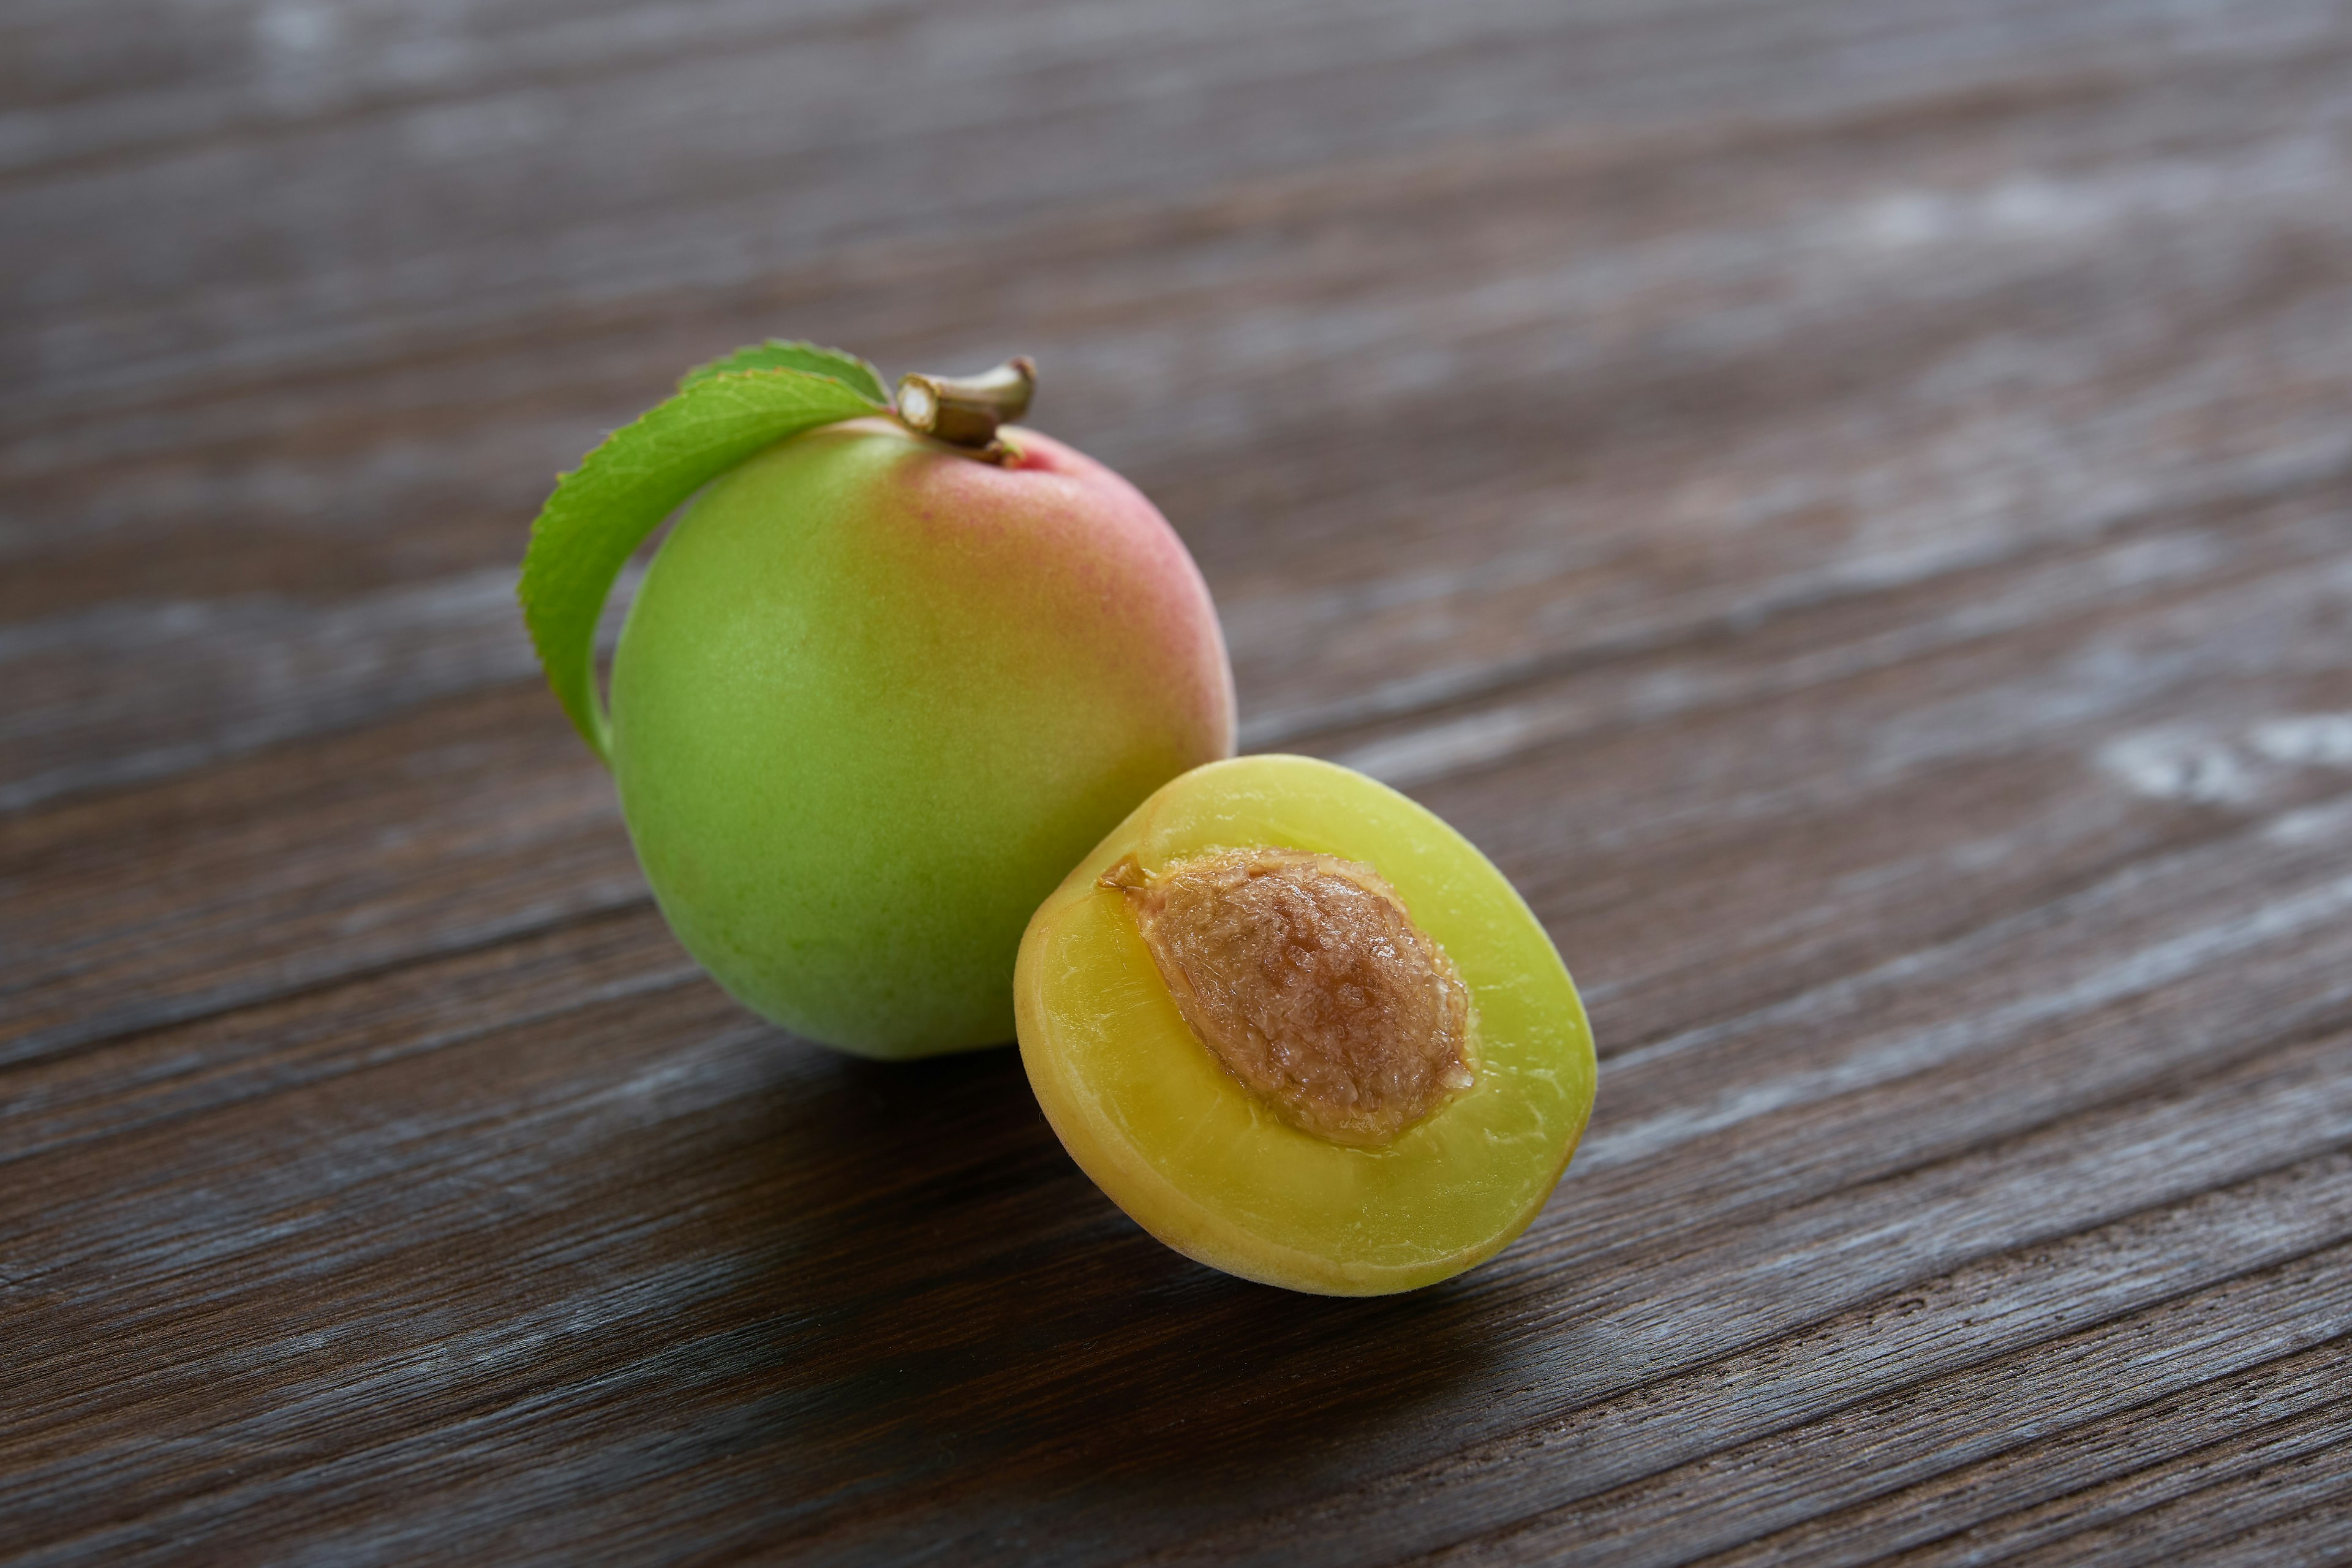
x=603, y=510
x=776, y=354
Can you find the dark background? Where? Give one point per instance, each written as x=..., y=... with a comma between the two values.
x=1848, y=501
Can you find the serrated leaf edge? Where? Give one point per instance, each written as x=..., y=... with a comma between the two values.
x=866, y=382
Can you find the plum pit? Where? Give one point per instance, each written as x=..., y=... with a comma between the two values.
x=1308, y=980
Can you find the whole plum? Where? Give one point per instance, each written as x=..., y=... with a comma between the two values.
x=878, y=693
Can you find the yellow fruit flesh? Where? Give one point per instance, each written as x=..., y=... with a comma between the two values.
x=1208, y=1166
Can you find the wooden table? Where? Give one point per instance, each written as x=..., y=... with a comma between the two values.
x=1848, y=501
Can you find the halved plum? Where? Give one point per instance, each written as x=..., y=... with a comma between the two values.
x=1302, y=1031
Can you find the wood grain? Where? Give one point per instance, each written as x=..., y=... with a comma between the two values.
x=1849, y=503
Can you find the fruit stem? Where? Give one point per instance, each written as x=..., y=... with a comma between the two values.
x=965, y=411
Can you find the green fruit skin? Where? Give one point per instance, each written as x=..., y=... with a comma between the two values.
x=876, y=698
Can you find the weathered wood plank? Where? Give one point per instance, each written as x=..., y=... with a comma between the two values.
x=2058, y=1387
x=1683, y=1401
x=2167, y=1447
x=1647, y=1273
x=2314, y=1526
x=447, y=830
x=1741, y=321
x=718, y=167
x=1848, y=503
x=2244, y=1517
x=423, y=1003
x=539, y=1391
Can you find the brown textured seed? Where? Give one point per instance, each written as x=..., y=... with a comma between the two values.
x=1306, y=978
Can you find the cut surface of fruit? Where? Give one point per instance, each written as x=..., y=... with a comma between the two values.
x=1302, y=1031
